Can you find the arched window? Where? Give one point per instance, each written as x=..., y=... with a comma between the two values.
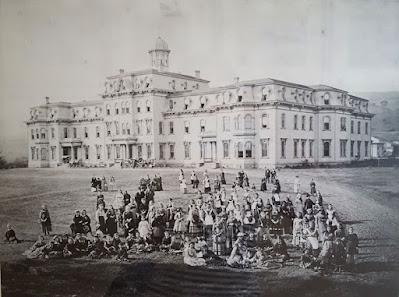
x=326, y=98
x=97, y=131
x=127, y=107
x=202, y=102
x=265, y=121
x=248, y=149
x=240, y=151
x=127, y=129
x=186, y=103
x=171, y=104
x=123, y=129
x=116, y=109
x=326, y=148
x=37, y=134
x=326, y=123
x=248, y=122
x=202, y=125
x=32, y=132
x=108, y=108
x=148, y=105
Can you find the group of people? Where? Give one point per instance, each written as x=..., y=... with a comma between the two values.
x=100, y=184
x=238, y=227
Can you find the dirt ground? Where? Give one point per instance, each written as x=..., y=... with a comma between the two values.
x=365, y=198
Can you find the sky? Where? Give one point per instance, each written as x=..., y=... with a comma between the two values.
x=64, y=49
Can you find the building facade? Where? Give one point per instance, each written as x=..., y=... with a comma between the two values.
x=177, y=119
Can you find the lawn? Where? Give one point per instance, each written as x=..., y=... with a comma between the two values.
x=366, y=198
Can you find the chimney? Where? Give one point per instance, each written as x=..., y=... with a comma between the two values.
x=47, y=100
x=197, y=74
x=121, y=71
x=236, y=80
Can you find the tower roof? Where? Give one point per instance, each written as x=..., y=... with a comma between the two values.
x=161, y=44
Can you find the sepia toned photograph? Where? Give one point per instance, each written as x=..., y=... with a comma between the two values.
x=199, y=148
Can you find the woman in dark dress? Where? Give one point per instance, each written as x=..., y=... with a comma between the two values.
x=77, y=225
x=111, y=222
x=45, y=220
x=100, y=219
x=222, y=178
x=86, y=228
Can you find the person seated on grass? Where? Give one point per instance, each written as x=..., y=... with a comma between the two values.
x=56, y=246
x=265, y=244
x=166, y=242
x=86, y=227
x=191, y=256
x=109, y=247
x=308, y=261
x=251, y=243
x=70, y=249
x=10, y=236
x=177, y=243
x=280, y=249
x=97, y=248
x=81, y=245
x=77, y=223
x=238, y=252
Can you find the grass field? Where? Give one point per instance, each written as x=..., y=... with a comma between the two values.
x=366, y=198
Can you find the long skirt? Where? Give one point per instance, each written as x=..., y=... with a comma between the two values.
x=194, y=229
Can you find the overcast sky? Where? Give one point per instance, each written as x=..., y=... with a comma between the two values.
x=65, y=48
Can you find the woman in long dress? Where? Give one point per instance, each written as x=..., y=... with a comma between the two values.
x=191, y=258
x=100, y=218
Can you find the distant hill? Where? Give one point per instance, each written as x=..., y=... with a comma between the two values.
x=385, y=106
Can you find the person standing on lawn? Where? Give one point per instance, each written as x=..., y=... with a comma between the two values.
x=45, y=220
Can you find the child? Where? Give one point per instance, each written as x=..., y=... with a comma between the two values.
x=297, y=226
x=191, y=258
x=70, y=249
x=166, y=242
x=351, y=245
x=45, y=220
x=10, y=236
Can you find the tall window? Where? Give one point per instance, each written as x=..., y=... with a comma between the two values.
x=117, y=131
x=171, y=151
x=295, y=122
x=149, y=150
x=148, y=125
x=43, y=154
x=187, y=150
x=127, y=107
x=116, y=109
x=53, y=153
x=98, y=152
x=366, y=148
x=186, y=103
x=296, y=141
x=237, y=122
x=283, y=147
x=97, y=131
x=359, y=145
x=264, y=147
x=86, y=132
x=75, y=132
x=123, y=129
x=202, y=102
x=248, y=122
x=226, y=123
x=161, y=151
x=139, y=151
x=202, y=125
x=108, y=151
x=303, y=145
x=186, y=127
x=366, y=128
x=43, y=133
x=160, y=128
x=352, y=127
x=148, y=106
x=127, y=129
x=326, y=148
x=171, y=129
x=32, y=150
x=358, y=127
x=32, y=133
x=283, y=121
x=240, y=150
x=86, y=152
x=343, y=124
x=170, y=104
x=352, y=148
x=311, y=141
x=303, y=122
x=310, y=123
x=342, y=148
x=265, y=121
x=65, y=132
x=108, y=109
x=326, y=98
x=118, y=151
x=37, y=134
x=123, y=107
x=226, y=149
x=248, y=149
x=326, y=123
x=52, y=133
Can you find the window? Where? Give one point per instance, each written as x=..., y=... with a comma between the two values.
x=358, y=127
x=138, y=109
x=171, y=151
x=239, y=98
x=352, y=148
x=65, y=132
x=366, y=128
x=296, y=141
x=343, y=124
x=283, y=121
x=303, y=145
x=186, y=127
x=97, y=131
x=326, y=123
x=139, y=151
x=326, y=99
x=283, y=146
x=248, y=149
x=310, y=123
x=326, y=148
x=98, y=152
x=123, y=108
x=117, y=131
x=342, y=148
x=108, y=151
x=226, y=149
x=32, y=132
x=186, y=103
x=86, y=152
x=226, y=123
x=32, y=150
x=52, y=133
x=127, y=107
x=149, y=150
x=202, y=125
x=118, y=151
x=264, y=143
x=240, y=150
x=366, y=148
x=237, y=122
x=116, y=109
x=53, y=153
x=75, y=132
x=248, y=122
x=359, y=145
x=123, y=129
x=303, y=123
x=265, y=121
x=108, y=110
x=108, y=124
x=202, y=102
x=187, y=150
x=161, y=151
x=148, y=125
x=160, y=127
x=352, y=127
x=43, y=133
x=170, y=104
x=311, y=148
x=138, y=127
x=148, y=106
x=127, y=129
x=295, y=122
x=86, y=132
x=43, y=154
x=37, y=134
x=171, y=130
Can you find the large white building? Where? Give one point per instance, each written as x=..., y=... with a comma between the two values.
x=177, y=119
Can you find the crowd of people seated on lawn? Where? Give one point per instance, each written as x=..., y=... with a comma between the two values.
x=240, y=229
